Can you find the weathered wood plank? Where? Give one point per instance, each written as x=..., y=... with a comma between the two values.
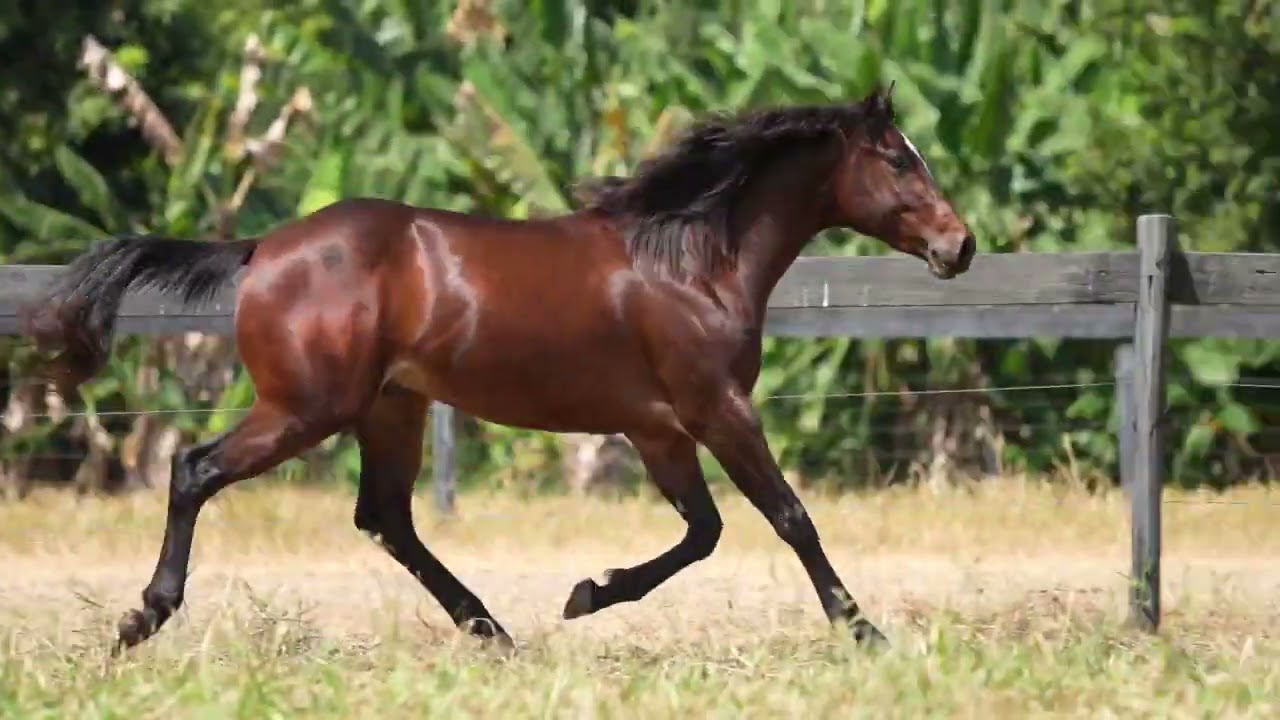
x=850, y=282
x=1103, y=321
x=1155, y=243
x=1003, y=279
x=1224, y=278
x=21, y=283
x=981, y=321
x=1241, y=322
x=157, y=326
x=1025, y=279
x=871, y=310
x=1019, y=321
x=974, y=321
x=896, y=280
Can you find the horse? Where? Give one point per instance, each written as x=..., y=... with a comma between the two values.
x=639, y=312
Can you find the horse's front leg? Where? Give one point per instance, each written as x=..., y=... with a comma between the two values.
x=733, y=433
x=671, y=461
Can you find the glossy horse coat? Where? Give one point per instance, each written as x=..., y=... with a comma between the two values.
x=639, y=314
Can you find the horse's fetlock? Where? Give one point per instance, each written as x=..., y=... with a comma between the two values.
x=472, y=613
x=371, y=524
x=164, y=600
x=189, y=481
x=367, y=522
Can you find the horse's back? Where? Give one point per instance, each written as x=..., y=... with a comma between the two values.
x=524, y=321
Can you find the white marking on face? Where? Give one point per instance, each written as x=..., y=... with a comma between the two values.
x=911, y=146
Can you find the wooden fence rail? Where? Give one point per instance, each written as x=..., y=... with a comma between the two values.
x=1142, y=297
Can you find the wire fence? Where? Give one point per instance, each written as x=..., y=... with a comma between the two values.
x=786, y=396
x=879, y=430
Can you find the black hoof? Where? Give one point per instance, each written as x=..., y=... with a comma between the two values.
x=581, y=600
x=501, y=644
x=134, y=627
x=866, y=635
x=490, y=633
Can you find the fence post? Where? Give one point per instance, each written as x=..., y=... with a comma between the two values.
x=444, y=468
x=1124, y=407
x=1156, y=243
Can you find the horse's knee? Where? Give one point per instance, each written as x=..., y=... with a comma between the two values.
x=793, y=524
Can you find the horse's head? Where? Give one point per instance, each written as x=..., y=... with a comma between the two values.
x=884, y=189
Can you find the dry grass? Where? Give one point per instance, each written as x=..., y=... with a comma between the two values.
x=1006, y=598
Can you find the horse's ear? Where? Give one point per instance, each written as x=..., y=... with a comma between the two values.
x=878, y=104
x=877, y=107
x=872, y=98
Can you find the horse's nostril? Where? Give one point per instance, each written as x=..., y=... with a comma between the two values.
x=967, y=248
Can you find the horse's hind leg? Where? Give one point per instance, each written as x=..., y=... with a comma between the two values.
x=672, y=464
x=267, y=436
x=390, y=438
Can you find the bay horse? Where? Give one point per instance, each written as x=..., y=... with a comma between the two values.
x=638, y=313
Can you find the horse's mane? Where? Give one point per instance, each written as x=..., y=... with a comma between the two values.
x=676, y=209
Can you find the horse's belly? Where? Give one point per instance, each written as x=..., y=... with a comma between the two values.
x=557, y=392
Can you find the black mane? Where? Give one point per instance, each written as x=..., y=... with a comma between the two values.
x=677, y=207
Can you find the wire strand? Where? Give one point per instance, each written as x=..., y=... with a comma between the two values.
x=795, y=396
x=942, y=391
x=1220, y=502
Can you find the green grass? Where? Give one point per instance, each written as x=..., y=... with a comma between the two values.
x=279, y=666
x=291, y=614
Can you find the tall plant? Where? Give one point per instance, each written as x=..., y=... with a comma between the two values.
x=197, y=191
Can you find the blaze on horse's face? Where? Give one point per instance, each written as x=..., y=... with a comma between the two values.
x=884, y=189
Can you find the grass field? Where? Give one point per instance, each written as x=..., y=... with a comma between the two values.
x=1007, y=600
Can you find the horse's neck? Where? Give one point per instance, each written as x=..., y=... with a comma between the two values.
x=782, y=213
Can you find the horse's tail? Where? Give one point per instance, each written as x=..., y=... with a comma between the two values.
x=77, y=314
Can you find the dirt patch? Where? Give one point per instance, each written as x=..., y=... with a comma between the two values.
x=77, y=565
x=754, y=591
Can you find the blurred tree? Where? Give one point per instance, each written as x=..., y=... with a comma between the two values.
x=1052, y=124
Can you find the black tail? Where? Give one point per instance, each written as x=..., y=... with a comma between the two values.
x=78, y=312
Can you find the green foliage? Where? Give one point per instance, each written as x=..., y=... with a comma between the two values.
x=1051, y=125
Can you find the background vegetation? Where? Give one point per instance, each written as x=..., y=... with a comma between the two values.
x=1052, y=124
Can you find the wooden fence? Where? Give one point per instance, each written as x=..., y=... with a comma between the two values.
x=1142, y=298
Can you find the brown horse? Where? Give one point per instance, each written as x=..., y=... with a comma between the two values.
x=639, y=314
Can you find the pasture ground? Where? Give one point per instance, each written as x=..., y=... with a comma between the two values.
x=1003, y=599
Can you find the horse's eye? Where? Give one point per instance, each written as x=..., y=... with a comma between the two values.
x=900, y=162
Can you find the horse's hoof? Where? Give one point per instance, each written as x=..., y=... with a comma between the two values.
x=867, y=636
x=581, y=600
x=502, y=644
x=490, y=634
x=134, y=627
